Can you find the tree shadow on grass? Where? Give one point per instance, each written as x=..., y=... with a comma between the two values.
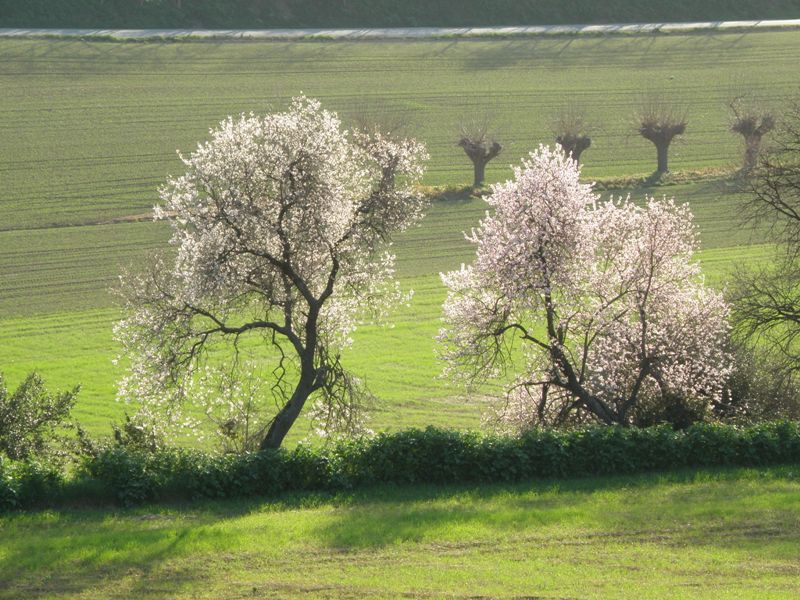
x=73, y=551
x=723, y=508
x=600, y=50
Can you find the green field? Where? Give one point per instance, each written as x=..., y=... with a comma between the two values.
x=89, y=133
x=398, y=363
x=715, y=534
x=90, y=130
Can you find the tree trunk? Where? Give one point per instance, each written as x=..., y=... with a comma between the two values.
x=288, y=414
x=480, y=172
x=574, y=145
x=752, y=145
x=662, y=148
x=480, y=153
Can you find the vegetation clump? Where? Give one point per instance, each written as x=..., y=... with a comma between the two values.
x=128, y=476
x=766, y=299
x=31, y=418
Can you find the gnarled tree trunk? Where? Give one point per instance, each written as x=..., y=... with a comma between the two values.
x=480, y=152
x=753, y=132
x=660, y=123
x=661, y=135
x=574, y=145
x=751, y=149
x=662, y=156
x=291, y=410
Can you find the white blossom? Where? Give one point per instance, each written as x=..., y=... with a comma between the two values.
x=281, y=228
x=596, y=308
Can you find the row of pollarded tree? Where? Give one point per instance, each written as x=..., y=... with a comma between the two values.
x=658, y=122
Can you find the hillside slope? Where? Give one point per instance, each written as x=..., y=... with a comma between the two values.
x=250, y=14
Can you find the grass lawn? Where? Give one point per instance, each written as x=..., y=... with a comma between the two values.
x=705, y=534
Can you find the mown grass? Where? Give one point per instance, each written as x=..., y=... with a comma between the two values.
x=398, y=362
x=65, y=269
x=716, y=534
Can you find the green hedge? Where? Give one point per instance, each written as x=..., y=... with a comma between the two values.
x=29, y=483
x=248, y=14
x=430, y=456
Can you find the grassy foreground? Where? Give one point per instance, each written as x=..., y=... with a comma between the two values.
x=707, y=534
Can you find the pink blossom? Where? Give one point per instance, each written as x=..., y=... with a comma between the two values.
x=596, y=309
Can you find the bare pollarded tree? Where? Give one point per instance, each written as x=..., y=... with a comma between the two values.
x=660, y=122
x=752, y=122
x=572, y=132
x=480, y=146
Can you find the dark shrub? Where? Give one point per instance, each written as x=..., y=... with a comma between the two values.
x=414, y=456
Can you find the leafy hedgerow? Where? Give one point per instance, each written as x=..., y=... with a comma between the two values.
x=29, y=483
x=414, y=456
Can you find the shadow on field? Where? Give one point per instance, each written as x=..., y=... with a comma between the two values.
x=601, y=50
x=77, y=551
x=724, y=514
x=495, y=54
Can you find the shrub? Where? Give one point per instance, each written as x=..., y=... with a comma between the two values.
x=31, y=416
x=762, y=387
x=29, y=483
x=8, y=492
x=440, y=456
x=414, y=456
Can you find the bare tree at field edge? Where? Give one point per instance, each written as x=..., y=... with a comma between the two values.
x=480, y=147
x=660, y=123
x=572, y=133
x=752, y=123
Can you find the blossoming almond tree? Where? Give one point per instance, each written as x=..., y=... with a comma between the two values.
x=281, y=227
x=597, y=309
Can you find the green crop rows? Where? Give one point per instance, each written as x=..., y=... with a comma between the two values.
x=90, y=131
